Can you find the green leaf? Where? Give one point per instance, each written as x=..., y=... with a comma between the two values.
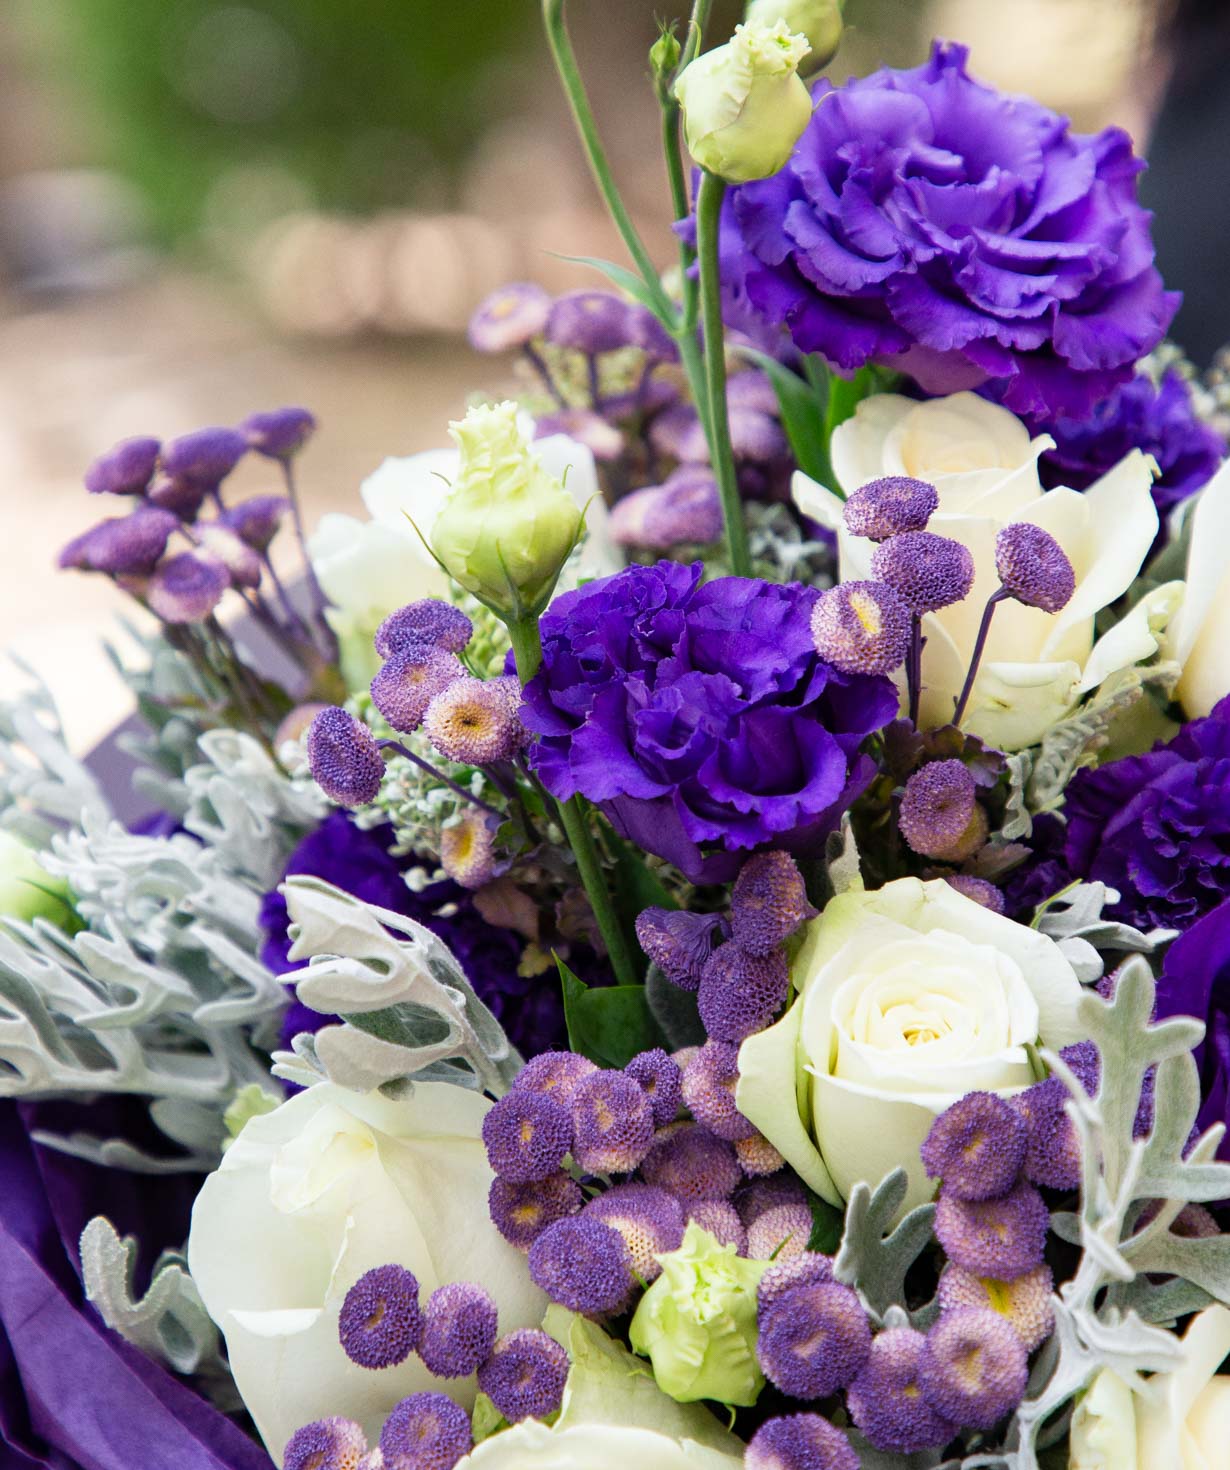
x=608, y=1024
x=845, y=395
x=826, y=1225
x=626, y=280
x=803, y=415
x=636, y=887
x=675, y=1011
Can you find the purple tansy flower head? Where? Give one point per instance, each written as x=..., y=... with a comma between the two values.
x=740, y=993
x=800, y=1442
x=1156, y=827
x=555, y=1074
x=780, y=1233
x=509, y=317
x=429, y=621
x=692, y=1164
x=613, y=1122
x=720, y=1218
x=886, y=507
x=470, y=721
x=345, y=759
x=979, y=889
x=584, y=1265
x=1052, y=1149
x=700, y=718
x=709, y=1081
x=410, y=679
x=807, y=1268
x=591, y=321
x=813, y=1339
x=205, y=457
x=939, y=816
x=976, y=1146
x=659, y=1077
x=1002, y=1237
x=929, y=222
x=459, y=1327
x=380, y=1323
x=862, y=627
x=684, y=510
x=279, y=433
x=325, y=1444
x=973, y=1368
x=426, y=1431
x=1159, y=420
x=1024, y=1302
x=525, y=1375
x=650, y=1221
x=768, y=902
x=1033, y=567
x=926, y=571
x=256, y=520
x=886, y=1401
x=125, y=469
x=521, y=1212
x=527, y=1134
x=128, y=545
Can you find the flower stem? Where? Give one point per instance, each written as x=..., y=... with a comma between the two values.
x=322, y=634
x=696, y=31
x=527, y=650
x=685, y=334
x=708, y=215
x=984, y=627
x=454, y=786
x=913, y=668
x=570, y=75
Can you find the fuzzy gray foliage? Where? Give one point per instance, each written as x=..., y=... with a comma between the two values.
x=874, y=1257
x=1073, y=919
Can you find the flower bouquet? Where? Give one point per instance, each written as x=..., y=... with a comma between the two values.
x=697, y=932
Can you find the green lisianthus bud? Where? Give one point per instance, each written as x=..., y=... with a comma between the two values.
x=818, y=20
x=744, y=104
x=507, y=527
x=28, y=891
x=663, y=59
x=697, y=1322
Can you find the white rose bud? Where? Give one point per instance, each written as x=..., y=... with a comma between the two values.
x=744, y=104
x=818, y=20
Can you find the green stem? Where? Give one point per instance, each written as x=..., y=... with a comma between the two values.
x=578, y=100
x=527, y=650
x=708, y=216
x=685, y=335
x=696, y=31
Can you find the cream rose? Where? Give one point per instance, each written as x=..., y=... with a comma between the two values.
x=308, y=1198
x=983, y=463
x=1201, y=631
x=1184, y=1422
x=908, y=998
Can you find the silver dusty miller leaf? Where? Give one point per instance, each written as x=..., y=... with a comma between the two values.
x=873, y=1256
x=408, y=1012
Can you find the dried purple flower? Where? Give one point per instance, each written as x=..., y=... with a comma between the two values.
x=800, y=1442
x=1002, y=1237
x=862, y=627
x=987, y=894
x=650, y=1221
x=130, y=545
x=785, y=1188
x=813, y=1339
x=256, y=520
x=720, y=1218
x=768, y=902
x=525, y=1376
x=1052, y=1148
x=204, y=458
x=428, y=621
x=426, y=1431
x=584, y=1265
x=521, y=1212
x=409, y=681
x=325, y=1444
x=613, y=1123
x=527, y=1135
x=939, y=812
x=1024, y=1303
x=345, y=759
x=808, y=1268
x=125, y=469
x=469, y=721
x=779, y=1233
x=218, y=543
x=1033, y=567
x=380, y=1323
x=886, y=1402
x=677, y=942
x=976, y=1146
x=926, y=571
x=692, y=1164
x=602, y=439
x=741, y=993
x=972, y=1368
x=659, y=1077
x=757, y=1156
x=591, y=321
x=555, y=1073
x=180, y=497
x=280, y=433
x=887, y=507
x=459, y=1326
x=509, y=317
x=685, y=510
x=186, y=588
x=709, y=1091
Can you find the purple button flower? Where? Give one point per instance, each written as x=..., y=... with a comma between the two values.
x=700, y=718
x=929, y=222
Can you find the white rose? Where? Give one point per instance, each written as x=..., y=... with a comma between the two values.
x=311, y=1196
x=613, y=1414
x=908, y=998
x=1183, y=1423
x=983, y=463
x=1201, y=630
x=369, y=569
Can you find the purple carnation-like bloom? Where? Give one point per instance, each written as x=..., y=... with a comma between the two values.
x=963, y=236
x=1159, y=420
x=1195, y=981
x=700, y=718
x=1156, y=827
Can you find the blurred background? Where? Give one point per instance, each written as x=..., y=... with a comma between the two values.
x=213, y=206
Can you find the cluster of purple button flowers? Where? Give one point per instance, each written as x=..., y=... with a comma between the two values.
x=381, y=1323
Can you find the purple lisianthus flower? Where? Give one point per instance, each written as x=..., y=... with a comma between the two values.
x=358, y=862
x=700, y=718
x=1195, y=981
x=960, y=235
x=1156, y=827
x=1159, y=420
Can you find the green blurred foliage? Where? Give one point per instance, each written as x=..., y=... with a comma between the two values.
x=367, y=102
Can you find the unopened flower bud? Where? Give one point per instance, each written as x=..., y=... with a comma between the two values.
x=507, y=526
x=818, y=20
x=663, y=59
x=744, y=104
